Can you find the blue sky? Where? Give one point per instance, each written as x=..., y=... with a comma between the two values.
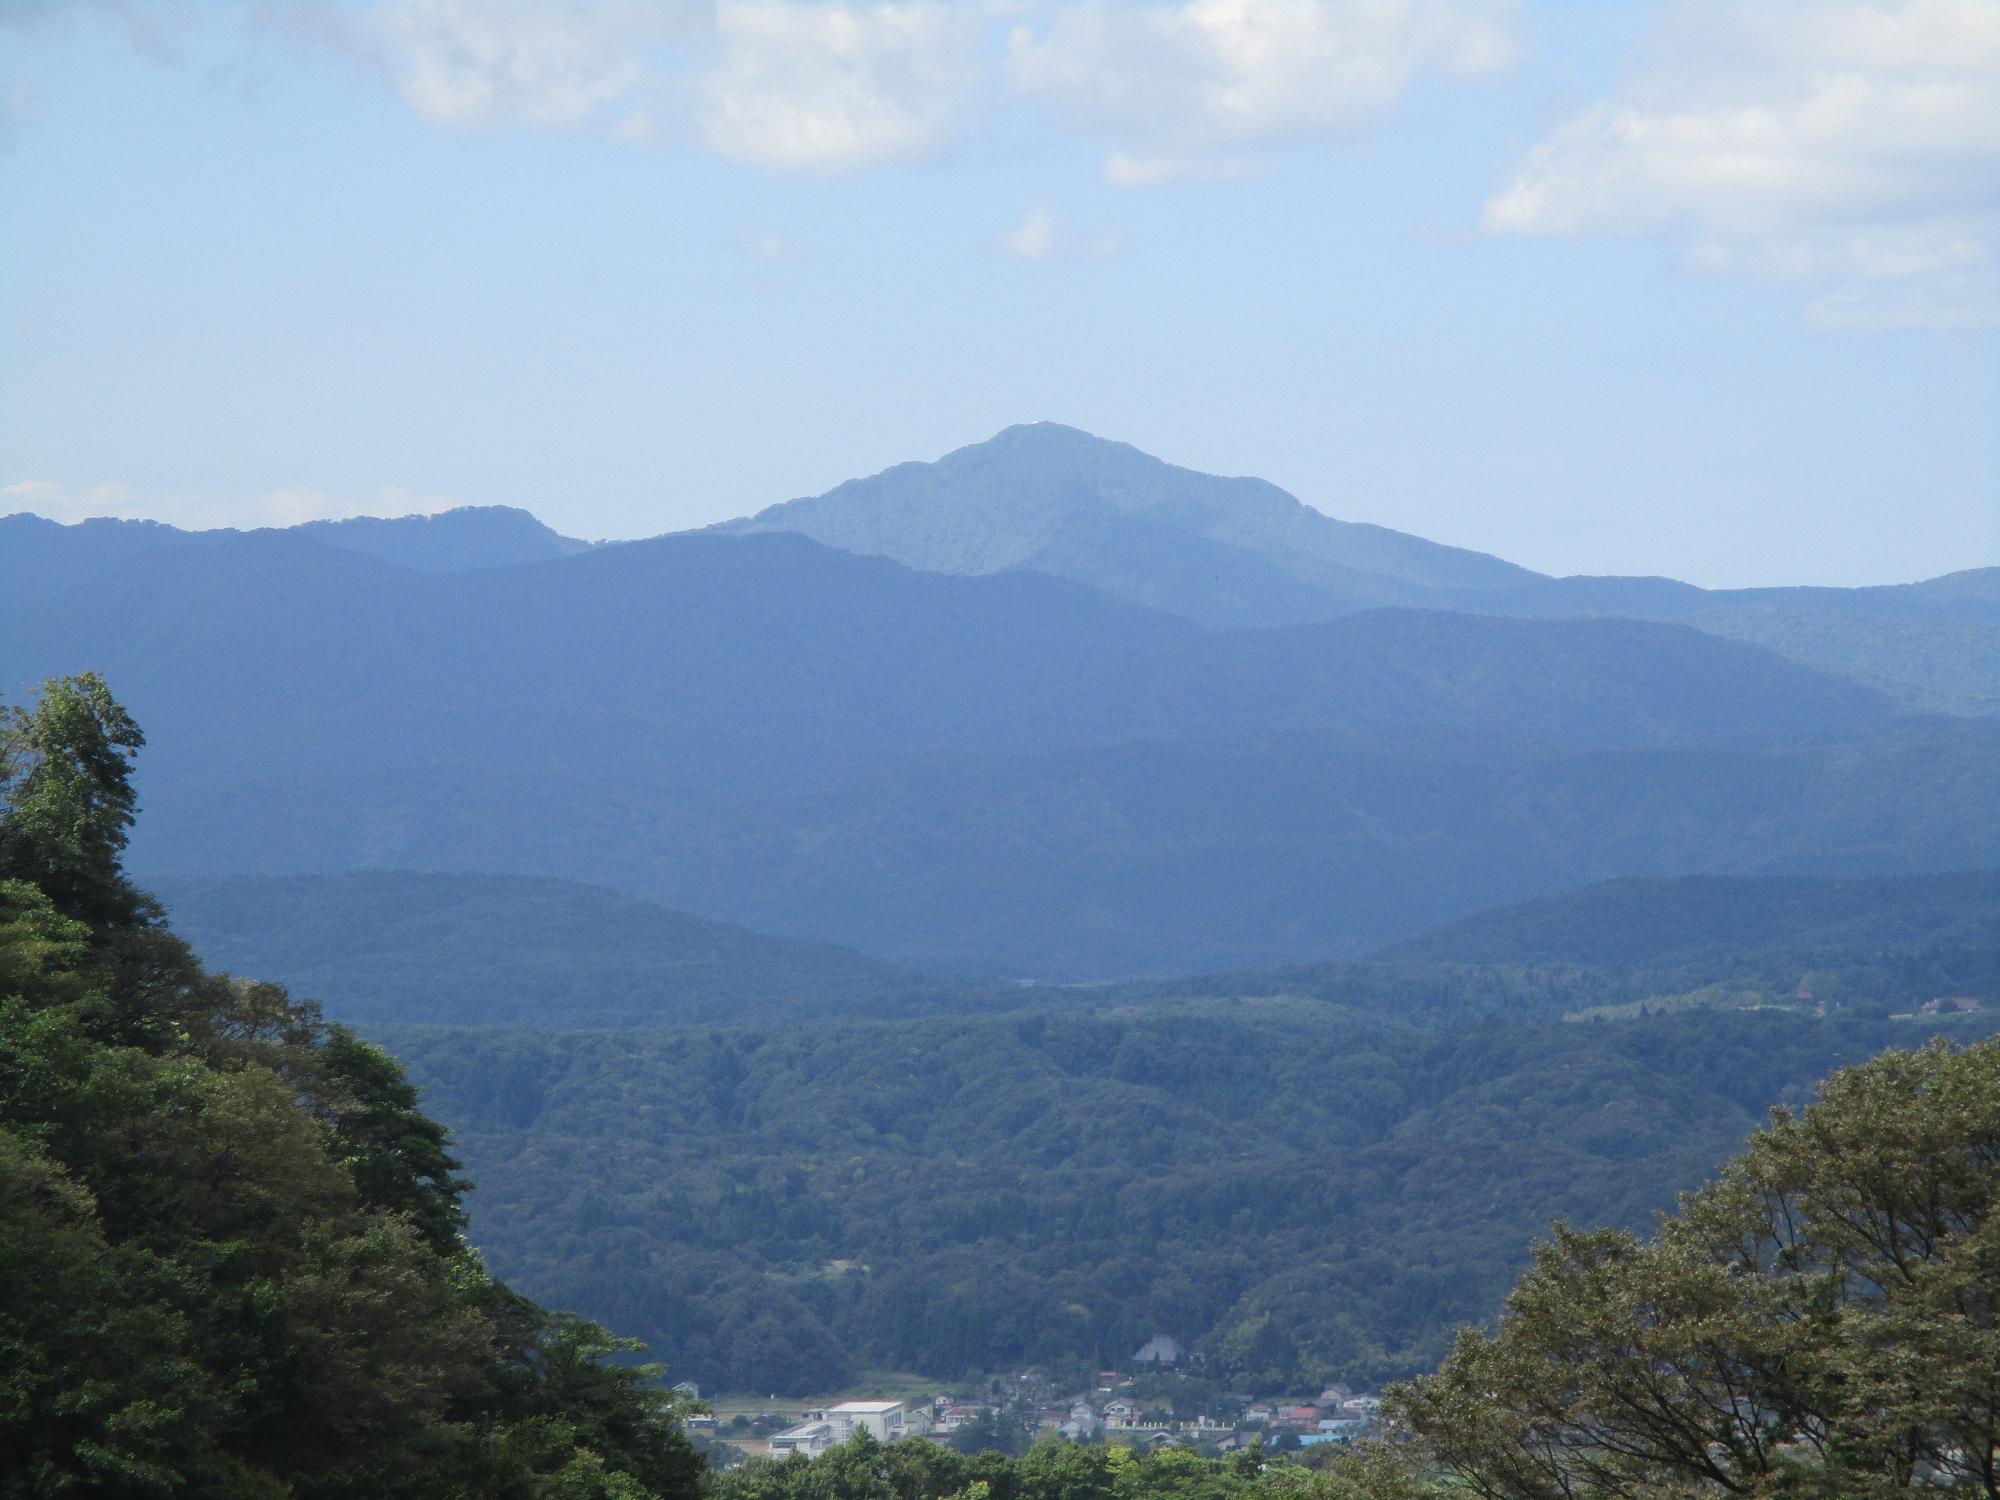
x=1697, y=289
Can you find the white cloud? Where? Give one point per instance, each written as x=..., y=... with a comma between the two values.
x=1034, y=238
x=16, y=103
x=1124, y=169
x=1208, y=88
x=767, y=247
x=834, y=87
x=1935, y=303
x=286, y=506
x=1040, y=237
x=1174, y=89
x=809, y=85
x=59, y=502
x=1843, y=142
x=473, y=62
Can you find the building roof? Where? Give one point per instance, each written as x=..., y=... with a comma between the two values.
x=866, y=1408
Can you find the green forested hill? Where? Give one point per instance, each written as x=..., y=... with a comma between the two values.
x=378, y=947
x=1299, y=1191
x=385, y=945
x=1664, y=923
x=230, y=1251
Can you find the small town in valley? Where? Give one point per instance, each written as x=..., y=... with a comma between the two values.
x=1155, y=1403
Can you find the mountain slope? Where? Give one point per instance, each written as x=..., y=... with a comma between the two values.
x=1046, y=496
x=1011, y=773
x=1933, y=645
x=377, y=946
x=1237, y=552
x=1641, y=923
x=1155, y=857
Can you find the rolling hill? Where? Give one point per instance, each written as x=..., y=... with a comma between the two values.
x=380, y=946
x=1633, y=923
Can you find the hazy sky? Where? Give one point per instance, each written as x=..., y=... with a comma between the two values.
x=1698, y=289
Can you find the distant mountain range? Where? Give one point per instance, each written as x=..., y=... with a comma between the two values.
x=383, y=947
x=42, y=556
x=1228, y=552
x=1039, y=744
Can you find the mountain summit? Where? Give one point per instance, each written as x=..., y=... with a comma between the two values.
x=1062, y=501
x=1228, y=553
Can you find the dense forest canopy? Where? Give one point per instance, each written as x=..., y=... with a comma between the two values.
x=1818, y=1320
x=1300, y=1191
x=230, y=1251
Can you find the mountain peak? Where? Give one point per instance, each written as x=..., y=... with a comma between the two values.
x=1049, y=436
x=1057, y=498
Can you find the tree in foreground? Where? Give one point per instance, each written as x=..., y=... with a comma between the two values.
x=230, y=1260
x=1819, y=1321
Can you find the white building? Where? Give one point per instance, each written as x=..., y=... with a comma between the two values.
x=811, y=1438
x=885, y=1421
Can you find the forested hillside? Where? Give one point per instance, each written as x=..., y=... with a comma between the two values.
x=1702, y=918
x=1304, y=1176
x=380, y=946
x=230, y=1253
x=1300, y=1192
x=1812, y=1320
x=389, y=946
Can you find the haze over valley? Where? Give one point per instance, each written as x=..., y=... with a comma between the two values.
x=1343, y=736
x=1045, y=750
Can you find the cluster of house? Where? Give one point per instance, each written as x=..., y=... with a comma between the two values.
x=1950, y=1004
x=1336, y=1415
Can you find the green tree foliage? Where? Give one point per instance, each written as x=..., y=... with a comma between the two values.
x=863, y=1469
x=66, y=773
x=1819, y=1321
x=1299, y=1192
x=229, y=1251
x=1054, y=1469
